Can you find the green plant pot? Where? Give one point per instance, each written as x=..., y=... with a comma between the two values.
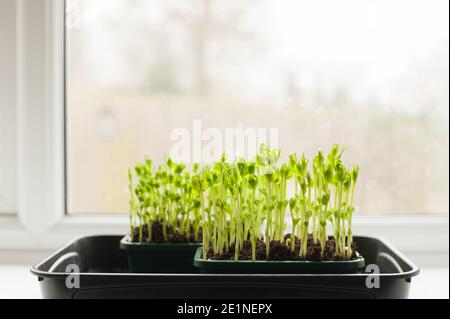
x=160, y=257
x=275, y=266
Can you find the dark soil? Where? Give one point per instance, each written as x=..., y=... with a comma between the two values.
x=282, y=251
x=173, y=235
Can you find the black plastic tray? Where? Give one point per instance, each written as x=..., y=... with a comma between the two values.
x=104, y=274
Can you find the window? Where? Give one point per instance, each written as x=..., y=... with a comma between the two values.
x=8, y=140
x=115, y=122
x=371, y=78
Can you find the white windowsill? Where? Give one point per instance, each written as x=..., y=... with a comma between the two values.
x=424, y=239
x=432, y=283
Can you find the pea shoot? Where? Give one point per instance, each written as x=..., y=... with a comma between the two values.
x=164, y=199
x=245, y=203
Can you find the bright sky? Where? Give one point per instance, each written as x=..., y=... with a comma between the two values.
x=361, y=44
x=365, y=46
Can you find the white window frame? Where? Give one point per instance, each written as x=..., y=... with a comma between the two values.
x=8, y=153
x=41, y=221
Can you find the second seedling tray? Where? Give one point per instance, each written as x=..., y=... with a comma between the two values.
x=159, y=257
x=275, y=266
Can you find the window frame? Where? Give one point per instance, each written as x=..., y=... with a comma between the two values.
x=41, y=220
x=8, y=178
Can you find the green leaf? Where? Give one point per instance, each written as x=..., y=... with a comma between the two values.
x=325, y=198
x=355, y=173
x=180, y=168
x=292, y=160
x=293, y=204
x=252, y=181
x=170, y=163
x=341, y=172
x=251, y=166
x=318, y=160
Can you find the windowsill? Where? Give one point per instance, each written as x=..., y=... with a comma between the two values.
x=17, y=282
x=422, y=238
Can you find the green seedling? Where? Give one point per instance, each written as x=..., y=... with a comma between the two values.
x=232, y=201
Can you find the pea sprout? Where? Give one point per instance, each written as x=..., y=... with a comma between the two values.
x=246, y=202
x=165, y=196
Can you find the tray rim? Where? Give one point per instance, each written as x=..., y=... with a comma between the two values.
x=126, y=244
x=353, y=264
x=415, y=270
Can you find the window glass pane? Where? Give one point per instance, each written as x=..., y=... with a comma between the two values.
x=372, y=75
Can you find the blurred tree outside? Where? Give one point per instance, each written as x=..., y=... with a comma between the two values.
x=321, y=73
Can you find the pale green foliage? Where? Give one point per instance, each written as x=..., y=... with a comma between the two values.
x=232, y=201
x=168, y=195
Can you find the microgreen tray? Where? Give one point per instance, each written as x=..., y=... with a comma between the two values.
x=159, y=257
x=277, y=266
